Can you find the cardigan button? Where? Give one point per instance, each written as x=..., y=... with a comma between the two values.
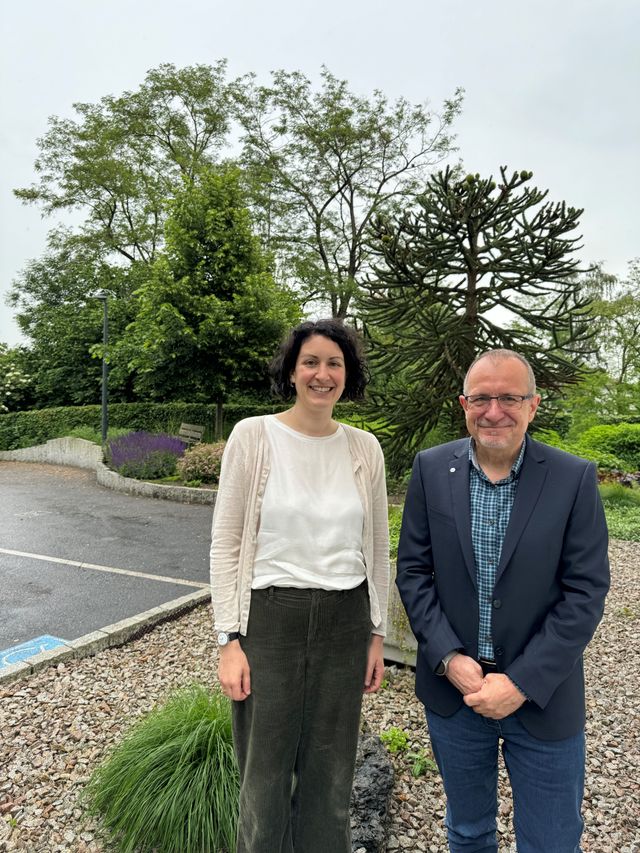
x=497, y=603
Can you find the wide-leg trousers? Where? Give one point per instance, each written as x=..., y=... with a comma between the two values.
x=296, y=734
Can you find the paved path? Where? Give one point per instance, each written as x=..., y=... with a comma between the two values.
x=75, y=556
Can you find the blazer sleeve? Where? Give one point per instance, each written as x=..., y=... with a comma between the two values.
x=555, y=649
x=415, y=576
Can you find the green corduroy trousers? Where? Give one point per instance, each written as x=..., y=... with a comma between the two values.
x=296, y=734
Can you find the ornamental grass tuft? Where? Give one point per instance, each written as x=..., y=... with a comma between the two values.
x=172, y=785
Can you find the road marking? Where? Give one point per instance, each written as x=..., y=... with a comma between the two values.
x=21, y=652
x=95, y=568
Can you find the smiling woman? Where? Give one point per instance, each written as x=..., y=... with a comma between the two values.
x=299, y=578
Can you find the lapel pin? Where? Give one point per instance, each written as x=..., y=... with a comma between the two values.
x=452, y=470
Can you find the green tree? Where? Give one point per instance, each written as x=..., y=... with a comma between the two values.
x=119, y=160
x=58, y=314
x=476, y=265
x=323, y=163
x=209, y=316
x=615, y=310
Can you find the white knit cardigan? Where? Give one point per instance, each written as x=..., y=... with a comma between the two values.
x=236, y=517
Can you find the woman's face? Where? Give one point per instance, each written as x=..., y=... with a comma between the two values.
x=319, y=375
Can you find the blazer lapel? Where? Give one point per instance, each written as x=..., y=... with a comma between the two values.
x=459, y=483
x=532, y=477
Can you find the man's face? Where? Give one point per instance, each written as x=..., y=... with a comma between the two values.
x=494, y=428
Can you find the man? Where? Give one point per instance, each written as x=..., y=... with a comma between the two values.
x=503, y=570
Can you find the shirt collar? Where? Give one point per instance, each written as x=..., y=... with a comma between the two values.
x=515, y=468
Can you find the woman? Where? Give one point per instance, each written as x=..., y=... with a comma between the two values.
x=299, y=578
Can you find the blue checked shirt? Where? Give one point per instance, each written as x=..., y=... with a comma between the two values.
x=491, y=505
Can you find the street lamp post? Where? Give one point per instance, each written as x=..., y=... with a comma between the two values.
x=102, y=295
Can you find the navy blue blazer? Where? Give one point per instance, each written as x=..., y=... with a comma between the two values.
x=550, y=587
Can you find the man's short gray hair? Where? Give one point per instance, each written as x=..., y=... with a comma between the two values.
x=502, y=355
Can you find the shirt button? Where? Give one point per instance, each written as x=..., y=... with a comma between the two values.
x=488, y=638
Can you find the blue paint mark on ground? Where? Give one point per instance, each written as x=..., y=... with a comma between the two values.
x=26, y=650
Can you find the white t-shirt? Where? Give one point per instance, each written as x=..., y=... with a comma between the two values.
x=311, y=520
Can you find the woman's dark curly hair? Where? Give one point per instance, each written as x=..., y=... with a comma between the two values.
x=283, y=365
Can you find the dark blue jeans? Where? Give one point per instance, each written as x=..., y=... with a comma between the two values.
x=547, y=780
x=296, y=734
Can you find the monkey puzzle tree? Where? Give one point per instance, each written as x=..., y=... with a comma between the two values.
x=476, y=265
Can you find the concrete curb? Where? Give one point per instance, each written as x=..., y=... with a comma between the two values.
x=108, y=637
x=182, y=494
x=79, y=453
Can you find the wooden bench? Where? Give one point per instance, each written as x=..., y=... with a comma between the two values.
x=191, y=434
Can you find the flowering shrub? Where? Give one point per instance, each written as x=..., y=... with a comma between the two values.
x=202, y=463
x=144, y=455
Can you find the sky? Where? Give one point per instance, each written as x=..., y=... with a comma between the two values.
x=550, y=86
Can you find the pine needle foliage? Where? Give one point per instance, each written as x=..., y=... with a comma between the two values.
x=172, y=785
x=470, y=246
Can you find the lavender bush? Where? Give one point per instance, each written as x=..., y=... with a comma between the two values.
x=144, y=455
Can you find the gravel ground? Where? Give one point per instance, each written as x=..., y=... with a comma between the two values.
x=57, y=725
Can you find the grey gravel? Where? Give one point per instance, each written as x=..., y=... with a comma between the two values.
x=57, y=725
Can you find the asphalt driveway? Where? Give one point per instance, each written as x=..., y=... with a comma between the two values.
x=75, y=556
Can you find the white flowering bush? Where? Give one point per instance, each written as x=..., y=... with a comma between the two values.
x=12, y=379
x=202, y=462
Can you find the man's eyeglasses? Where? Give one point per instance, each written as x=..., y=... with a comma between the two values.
x=509, y=402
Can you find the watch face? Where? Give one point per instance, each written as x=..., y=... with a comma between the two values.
x=223, y=639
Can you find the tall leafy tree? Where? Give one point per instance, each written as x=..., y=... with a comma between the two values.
x=615, y=310
x=477, y=264
x=118, y=161
x=58, y=314
x=210, y=315
x=323, y=162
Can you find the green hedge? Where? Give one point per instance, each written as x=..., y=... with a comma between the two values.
x=621, y=440
x=604, y=460
x=25, y=429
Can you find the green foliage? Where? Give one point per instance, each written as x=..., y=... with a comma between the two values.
x=24, y=429
x=172, y=785
x=90, y=434
x=322, y=162
x=422, y=763
x=616, y=495
x=395, y=739
x=202, y=463
x=623, y=440
x=615, y=315
x=209, y=317
x=120, y=159
x=440, y=271
x=623, y=522
x=604, y=460
x=395, y=522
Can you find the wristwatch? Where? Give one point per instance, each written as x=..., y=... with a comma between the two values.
x=443, y=666
x=225, y=637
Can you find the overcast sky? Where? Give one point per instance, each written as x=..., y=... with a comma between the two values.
x=550, y=86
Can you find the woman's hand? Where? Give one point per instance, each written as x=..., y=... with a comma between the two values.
x=375, y=664
x=234, y=673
